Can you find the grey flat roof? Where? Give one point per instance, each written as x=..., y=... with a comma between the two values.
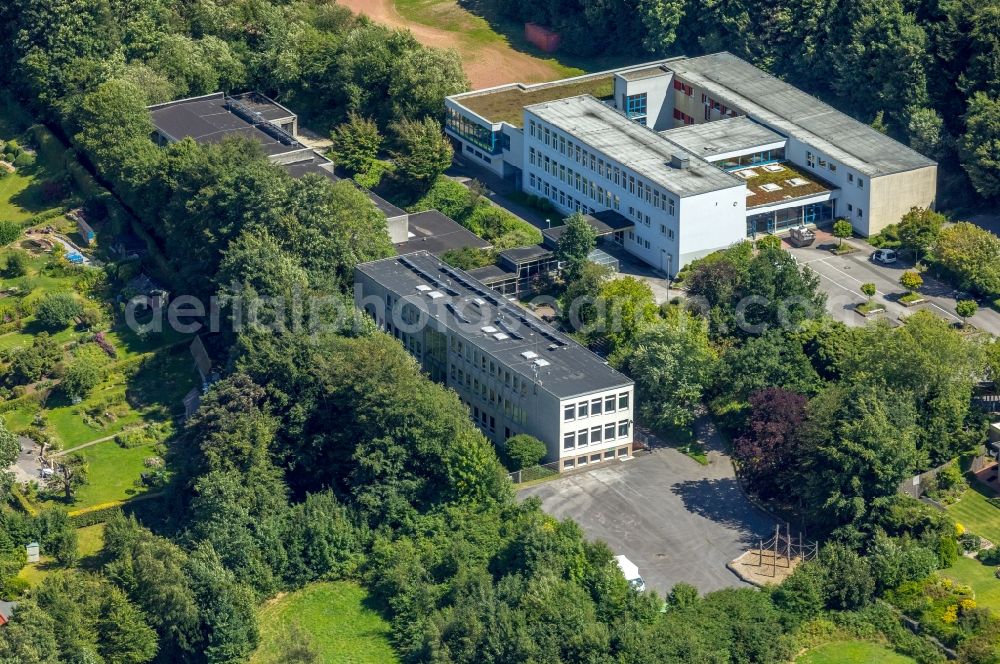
x=604, y=222
x=572, y=370
x=796, y=113
x=646, y=72
x=722, y=136
x=317, y=164
x=491, y=274
x=633, y=145
x=434, y=232
x=267, y=107
x=208, y=120
x=519, y=255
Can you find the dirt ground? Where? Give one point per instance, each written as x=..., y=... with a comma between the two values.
x=486, y=64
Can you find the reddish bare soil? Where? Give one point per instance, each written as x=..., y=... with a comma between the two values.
x=486, y=65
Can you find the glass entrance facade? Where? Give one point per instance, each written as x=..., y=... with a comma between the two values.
x=780, y=220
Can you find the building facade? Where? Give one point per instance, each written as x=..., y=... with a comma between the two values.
x=790, y=158
x=514, y=373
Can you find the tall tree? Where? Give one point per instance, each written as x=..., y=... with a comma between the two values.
x=575, y=244
x=980, y=145
x=672, y=363
x=422, y=153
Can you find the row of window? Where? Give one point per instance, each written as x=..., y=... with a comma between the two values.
x=682, y=116
x=813, y=160
x=470, y=150
x=592, y=407
x=485, y=364
x=608, y=455
x=557, y=195
x=850, y=208
x=597, y=164
x=683, y=87
x=598, y=434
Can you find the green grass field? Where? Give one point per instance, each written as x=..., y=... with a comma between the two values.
x=980, y=577
x=112, y=472
x=335, y=615
x=976, y=514
x=852, y=652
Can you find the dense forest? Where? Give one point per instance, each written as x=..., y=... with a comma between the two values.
x=330, y=455
x=927, y=72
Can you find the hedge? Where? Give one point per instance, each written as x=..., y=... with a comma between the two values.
x=50, y=148
x=23, y=502
x=100, y=513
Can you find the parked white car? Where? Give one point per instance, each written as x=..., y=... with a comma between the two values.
x=631, y=572
x=884, y=256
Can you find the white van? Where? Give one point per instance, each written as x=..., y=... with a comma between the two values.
x=631, y=572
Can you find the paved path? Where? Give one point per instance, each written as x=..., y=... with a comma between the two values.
x=841, y=278
x=673, y=517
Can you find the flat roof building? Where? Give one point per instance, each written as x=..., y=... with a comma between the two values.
x=718, y=151
x=215, y=117
x=515, y=373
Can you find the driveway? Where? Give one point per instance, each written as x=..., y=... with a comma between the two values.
x=27, y=467
x=673, y=517
x=841, y=278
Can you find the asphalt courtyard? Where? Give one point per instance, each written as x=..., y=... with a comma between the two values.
x=841, y=278
x=676, y=519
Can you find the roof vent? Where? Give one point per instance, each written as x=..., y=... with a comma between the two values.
x=542, y=363
x=529, y=354
x=678, y=160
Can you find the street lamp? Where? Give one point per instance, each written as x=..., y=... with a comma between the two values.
x=548, y=223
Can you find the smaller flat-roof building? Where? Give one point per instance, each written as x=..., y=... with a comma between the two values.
x=515, y=373
x=215, y=117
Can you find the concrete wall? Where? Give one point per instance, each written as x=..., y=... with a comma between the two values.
x=892, y=196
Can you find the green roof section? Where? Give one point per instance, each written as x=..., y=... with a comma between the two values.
x=505, y=104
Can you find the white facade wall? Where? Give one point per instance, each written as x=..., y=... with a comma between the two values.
x=659, y=98
x=666, y=236
x=584, y=435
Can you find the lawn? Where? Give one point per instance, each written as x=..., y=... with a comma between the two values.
x=89, y=544
x=980, y=577
x=20, y=199
x=336, y=616
x=976, y=514
x=112, y=471
x=852, y=652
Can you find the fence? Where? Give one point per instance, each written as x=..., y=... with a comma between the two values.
x=534, y=473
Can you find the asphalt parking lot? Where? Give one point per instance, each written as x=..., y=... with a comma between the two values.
x=841, y=278
x=673, y=517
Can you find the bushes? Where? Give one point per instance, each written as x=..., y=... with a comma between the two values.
x=57, y=310
x=9, y=231
x=524, y=451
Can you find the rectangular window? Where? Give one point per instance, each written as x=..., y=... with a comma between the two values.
x=623, y=401
x=663, y=229
x=595, y=406
x=569, y=413
x=635, y=106
x=609, y=454
x=860, y=213
x=582, y=437
x=568, y=464
x=861, y=183
x=631, y=184
x=671, y=207
x=569, y=441
x=617, y=175
x=609, y=404
x=595, y=434
x=609, y=431
x=623, y=429
x=582, y=408
x=532, y=125
x=850, y=177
